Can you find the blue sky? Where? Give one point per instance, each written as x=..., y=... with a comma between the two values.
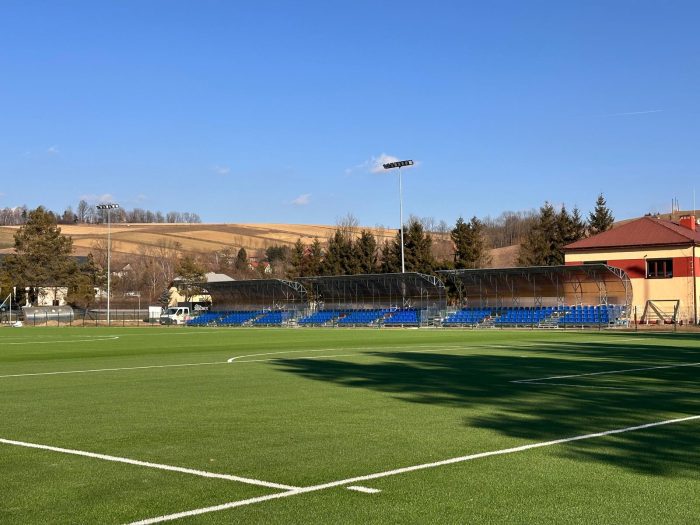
x=272, y=111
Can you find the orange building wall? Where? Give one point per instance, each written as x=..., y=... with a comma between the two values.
x=633, y=262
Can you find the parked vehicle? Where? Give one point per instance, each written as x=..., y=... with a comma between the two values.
x=175, y=315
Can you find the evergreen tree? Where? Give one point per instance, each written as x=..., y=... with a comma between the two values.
x=389, y=262
x=340, y=255
x=470, y=244
x=164, y=299
x=314, y=258
x=601, y=218
x=417, y=249
x=542, y=242
x=460, y=236
x=577, y=227
x=366, y=252
x=297, y=259
x=42, y=253
x=242, y=260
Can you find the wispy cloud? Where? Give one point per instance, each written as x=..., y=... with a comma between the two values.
x=221, y=170
x=53, y=150
x=141, y=197
x=627, y=113
x=302, y=200
x=97, y=199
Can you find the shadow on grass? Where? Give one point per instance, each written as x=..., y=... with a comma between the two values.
x=481, y=384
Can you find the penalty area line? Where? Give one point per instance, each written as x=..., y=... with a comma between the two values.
x=403, y=470
x=158, y=466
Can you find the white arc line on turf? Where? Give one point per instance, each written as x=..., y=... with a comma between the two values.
x=148, y=464
x=403, y=470
x=623, y=371
x=368, y=351
x=145, y=367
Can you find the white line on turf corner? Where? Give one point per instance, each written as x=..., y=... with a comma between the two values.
x=460, y=459
x=148, y=464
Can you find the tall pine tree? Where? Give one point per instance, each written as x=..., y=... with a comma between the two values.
x=314, y=258
x=366, y=252
x=541, y=243
x=470, y=244
x=601, y=218
x=42, y=254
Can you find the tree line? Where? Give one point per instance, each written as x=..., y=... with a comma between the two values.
x=85, y=213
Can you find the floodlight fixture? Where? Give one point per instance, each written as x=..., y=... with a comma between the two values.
x=397, y=164
x=388, y=166
x=109, y=207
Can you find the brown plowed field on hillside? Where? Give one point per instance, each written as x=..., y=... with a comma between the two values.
x=207, y=238
x=193, y=238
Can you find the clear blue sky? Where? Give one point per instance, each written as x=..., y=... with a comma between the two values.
x=273, y=111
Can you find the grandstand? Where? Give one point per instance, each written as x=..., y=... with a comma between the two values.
x=393, y=299
x=255, y=302
x=543, y=296
x=591, y=295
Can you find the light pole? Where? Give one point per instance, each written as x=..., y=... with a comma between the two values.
x=109, y=208
x=400, y=164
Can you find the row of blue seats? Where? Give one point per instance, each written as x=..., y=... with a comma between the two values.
x=237, y=318
x=467, y=316
x=390, y=316
x=273, y=318
x=515, y=315
x=364, y=316
x=320, y=317
x=404, y=317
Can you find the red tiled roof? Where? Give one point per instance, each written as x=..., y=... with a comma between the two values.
x=646, y=231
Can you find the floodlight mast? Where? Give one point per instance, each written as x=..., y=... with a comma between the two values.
x=109, y=207
x=388, y=166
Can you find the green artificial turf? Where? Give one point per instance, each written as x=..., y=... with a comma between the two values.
x=304, y=407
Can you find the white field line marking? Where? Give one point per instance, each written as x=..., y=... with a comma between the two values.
x=50, y=342
x=178, y=365
x=111, y=369
x=366, y=350
x=622, y=371
x=369, y=351
x=366, y=490
x=403, y=470
x=596, y=387
x=148, y=464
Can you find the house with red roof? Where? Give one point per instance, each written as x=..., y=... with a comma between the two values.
x=660, y=258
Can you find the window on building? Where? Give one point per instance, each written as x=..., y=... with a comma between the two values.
x=595, y=262
x=659, y=268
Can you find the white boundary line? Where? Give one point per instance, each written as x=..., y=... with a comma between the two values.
x=159, y=466
x=50, y=342
x=622, y=371
x=111, y=369
x=596, y=387
x=403, y=470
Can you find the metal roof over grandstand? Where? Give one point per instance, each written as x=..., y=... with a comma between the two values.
x=542, y=285
x=377, y=290
x=256, y=294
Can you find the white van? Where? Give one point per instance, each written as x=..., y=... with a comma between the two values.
x=175, y=315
